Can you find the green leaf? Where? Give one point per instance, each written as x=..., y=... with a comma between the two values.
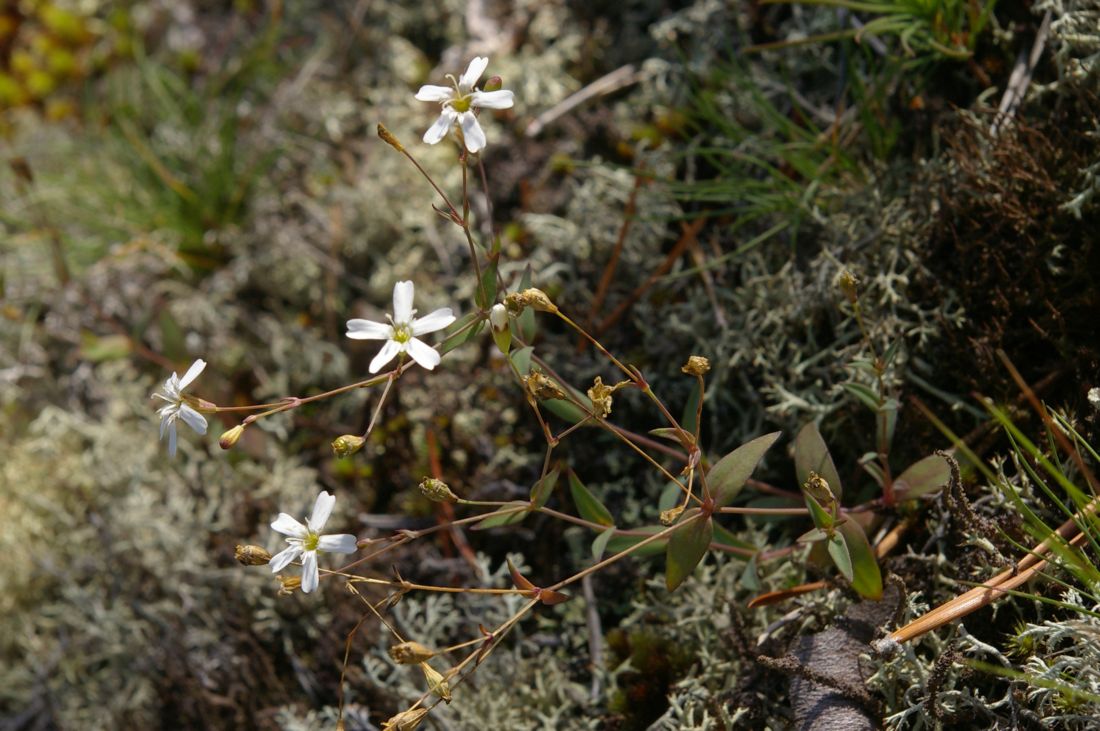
x=923, y=477
x=521, y=359
x=822, y=518
x=618, y=544
x=528, y=326
x=686, y=547
x=863, y=393
x=866, y=578
x=495, y=521
x=600, y=544
x=542, y=489
x=487, y=289
x=566, y=410
x=811, y=455
x=673, y=435
x=588, y=506
x=455, y=338
x=750, y=577
x=838, y=551
x=723, y=536
x=670, y=496
x=812, y=536
x=728, y=475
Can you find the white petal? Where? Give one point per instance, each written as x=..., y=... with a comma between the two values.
x=471, y=130
x=289, y=526
x=172, y=439
x=473, y=73
x=402, y=303
x=430, y=93
x=342, y=543
x=369, y=330
x=193, y=419
x=283, y=558
x=385, y=355
x=423, y=354
x=441, y=126
x=165, y=420
x=502, y=99
x=322, y=508
x=192, y=373
x=310, y=574
x=437, y=320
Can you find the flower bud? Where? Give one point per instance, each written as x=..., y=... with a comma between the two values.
x=436, y=682
x=389, y=139
x=493, y=83
x=230, y=438
x=541, y=387
x=696, y=365
x=410, y=653
x=502, y=333
x=437, y=491
x=347, y=445
x=406, y=720
x=252, y=555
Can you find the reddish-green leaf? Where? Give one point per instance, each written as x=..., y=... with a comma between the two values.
x=923, y=477
x=599, y=546
x=686, y=547
x=588, y=506
x=866, y=578
x=811, y=455
x=519, y=579
x=550, y=598
x=618, y=544
x=727, y=477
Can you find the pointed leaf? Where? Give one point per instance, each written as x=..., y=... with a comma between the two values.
x=811, y=455
x=723, y=536
x=673, y=435
x=456, y=338
x=518, y=579
x=822, y=518
x=542, y=489
x=690, y=408
x=686, y=547
x=812, y=536
x=620, y=543
x=521, y=359
x=866, y=578
x=670, y=496
x=495, y=521
x=838, y=551
x=750, y=577
x=599, y=546
x=566, y=410
x=487, y=289
x=727, y=477
x=588, y=506
x=923, y=477
x=550, y=597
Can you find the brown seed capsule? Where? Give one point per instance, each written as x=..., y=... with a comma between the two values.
x=436, y=682
x=541, y=387
x=848, y=284
x=696, y=365
x=290, y=584
x=406, y=720
x=410, y=653
x=437, y=491
x=389, y=139
x=252, y=555
x=537, y=300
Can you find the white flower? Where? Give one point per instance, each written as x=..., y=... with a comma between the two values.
x=177, y=407
x=305, y=541
x=400, y=334
x=459, y=102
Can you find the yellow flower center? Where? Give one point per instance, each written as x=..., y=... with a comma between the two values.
x=311, y=541
x=402, y=333
x=461, y=104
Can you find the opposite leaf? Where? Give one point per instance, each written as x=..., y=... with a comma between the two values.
x=727, y=477
x=923, y=477
x=686, y=547
x=542, y=489
x=589, y=507
x=866, y=578
x=811, y=455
